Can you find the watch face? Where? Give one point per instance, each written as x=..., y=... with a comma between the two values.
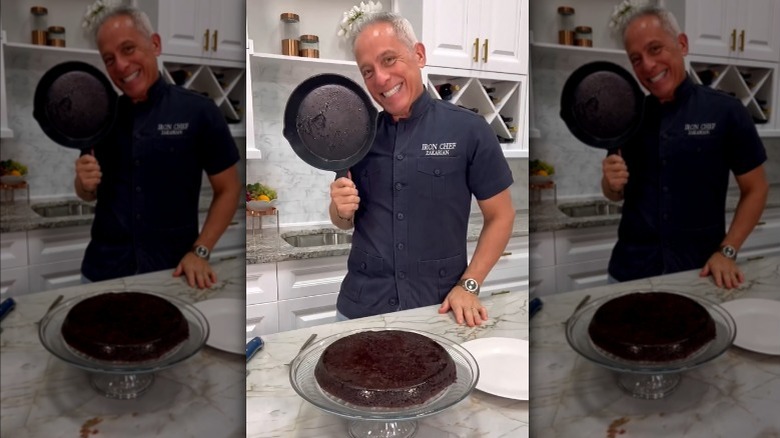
x=471, y=284
x=729, y=251
x=201, y=251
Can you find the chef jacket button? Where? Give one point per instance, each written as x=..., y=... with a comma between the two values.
x=400, y=246
x=402, y=275
x=442, y=272
x=392, y=301
x=666, y=189
x=400, y=216
x=398, y=186
x=363, y=265
x=138, y=189
x=437, y=172
x=399, y=157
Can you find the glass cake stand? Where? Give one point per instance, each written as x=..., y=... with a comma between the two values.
x=383, y=422
x=122, y=380
x=649, y=380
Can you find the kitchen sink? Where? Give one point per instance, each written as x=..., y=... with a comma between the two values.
x=60, y=209
x=590, y=209
x=320, y=238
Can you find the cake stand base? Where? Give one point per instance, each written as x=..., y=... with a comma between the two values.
x=121, y=386
x=380, y=429
x=648, y=386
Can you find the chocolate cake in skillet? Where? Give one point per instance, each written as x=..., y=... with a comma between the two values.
x=388, y=368
x=124, y=327
x=651, y=327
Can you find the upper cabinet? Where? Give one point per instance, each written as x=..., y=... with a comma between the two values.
x=486, y=35
x=202, y=29
x=731, y=28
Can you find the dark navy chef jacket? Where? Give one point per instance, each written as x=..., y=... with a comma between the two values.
x=415, y=187
x=152, y=162
x=673, y=215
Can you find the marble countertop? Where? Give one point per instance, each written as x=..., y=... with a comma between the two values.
x=545, y=215
x=19, y=215
x=736, y=394
x=43, y=396
x=268, y=246
x=274, y=409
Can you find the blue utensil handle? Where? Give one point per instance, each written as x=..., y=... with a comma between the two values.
x=6, y=307
x=253, y=346
x=536, y=305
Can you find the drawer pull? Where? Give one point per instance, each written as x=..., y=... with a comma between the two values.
x=222, y=259
x=742, y=41
x=476, y=50
x=234, y=223
x=750, y=259
x=733, y=40
x=206, y=41
x=506, y=253
x=499, y=293
x=214, y=43
x=759, y=223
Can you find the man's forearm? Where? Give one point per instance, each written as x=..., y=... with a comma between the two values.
x=223, y=207
x=492, y=241
x=82, y=193
x=748, y=212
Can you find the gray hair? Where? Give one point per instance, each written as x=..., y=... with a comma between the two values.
x=403, y=28
x=668, y=22
x=139, y=17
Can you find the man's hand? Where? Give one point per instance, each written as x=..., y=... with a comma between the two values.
x=615, y=173
x=465, y=306
x=724, y=271
x=88, y=173
x=345, y=197
x=197, y=270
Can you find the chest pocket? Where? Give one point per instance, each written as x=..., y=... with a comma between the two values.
x=440, y=177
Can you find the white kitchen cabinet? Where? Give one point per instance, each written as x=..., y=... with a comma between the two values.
x=199, y=29
x=765, y=238
x=307, y=312
x=542, y=281
x=13, y=282
x=57, y=244
x=5, y=130
x=541, y=263
x=582, y=275
x=261, y=319
x=510, y=273
x=731, y=28
x=310, y=277
x=261, y=284
x=584, y=244
x=13, y=249
x=55, y=275
x=486, y=35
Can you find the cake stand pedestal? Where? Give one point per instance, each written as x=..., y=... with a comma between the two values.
x=649, y=380
x=366, y=422
x=122, y=380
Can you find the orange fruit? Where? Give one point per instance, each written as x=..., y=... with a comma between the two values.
x=16, y=173
x=263, y=198
x=542, y=173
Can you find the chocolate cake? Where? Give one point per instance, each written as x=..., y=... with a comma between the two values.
x=651, y=327
x=389, y=368
x=124, y=327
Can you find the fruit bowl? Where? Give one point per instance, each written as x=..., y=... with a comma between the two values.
x=260, y=205
x=540, y=179
x=12, y=179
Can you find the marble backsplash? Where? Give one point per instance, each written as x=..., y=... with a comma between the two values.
x=51, y=167
x=303, y=191
x=578, y=166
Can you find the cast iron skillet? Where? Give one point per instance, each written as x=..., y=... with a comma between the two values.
x=75, y=105
x=602, y=105
x=330, y=122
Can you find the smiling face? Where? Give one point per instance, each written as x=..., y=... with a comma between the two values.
x=390, y=69
x=130, y=57
x=656, y=56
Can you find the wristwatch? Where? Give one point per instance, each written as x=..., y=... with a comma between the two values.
x=201, y=251
x=729, y=252
x=470, y=285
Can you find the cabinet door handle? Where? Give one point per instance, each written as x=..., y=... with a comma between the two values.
x=742, y=41
x=476, y=49
x=733, y=39
x=206, y=41
x=759, y=223
x=214, y=41
x=485, y=49
x=507, y=253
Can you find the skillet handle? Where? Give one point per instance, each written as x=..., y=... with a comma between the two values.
x=613, y=151
x=341, y=173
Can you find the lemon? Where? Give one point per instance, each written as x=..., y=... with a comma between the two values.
x=542, y=173
x=263, y=198
x=16, y=173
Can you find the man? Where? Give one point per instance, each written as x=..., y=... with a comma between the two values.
x=674, y=174
x=146, y=175
x=410, y=210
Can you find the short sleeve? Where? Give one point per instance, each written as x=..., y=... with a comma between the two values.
x=488, y=170
x=745, y=149
x=216, y=148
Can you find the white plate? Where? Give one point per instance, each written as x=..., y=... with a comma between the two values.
x=758, y=324
x=227, y=318
x=503, y=366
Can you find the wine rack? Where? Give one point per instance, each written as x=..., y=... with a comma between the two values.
x=751, y=85
x=495, y=100
x=224, y=85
